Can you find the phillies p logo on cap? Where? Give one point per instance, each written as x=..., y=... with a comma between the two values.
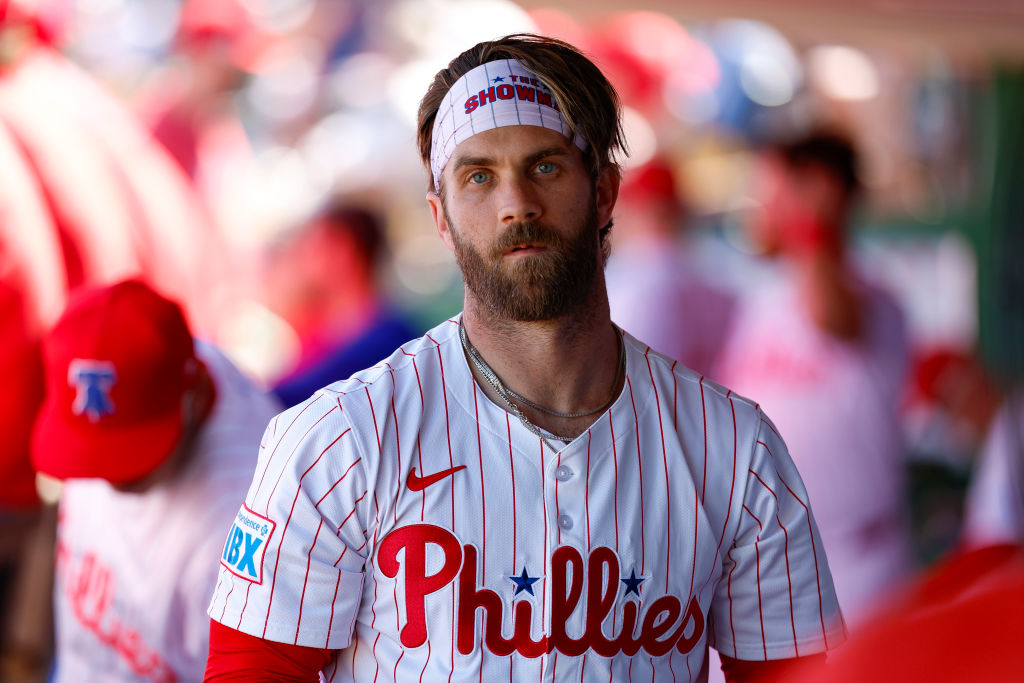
x=92, y=380
x=119, y=364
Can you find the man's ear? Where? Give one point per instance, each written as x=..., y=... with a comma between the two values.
x=440, y=222
x=607, y=193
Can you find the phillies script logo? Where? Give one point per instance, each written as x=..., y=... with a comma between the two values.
x=664, y=626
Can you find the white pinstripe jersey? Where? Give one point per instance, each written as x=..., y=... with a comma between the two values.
x=405, y=520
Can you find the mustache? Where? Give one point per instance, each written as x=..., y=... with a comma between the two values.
x=531, y=232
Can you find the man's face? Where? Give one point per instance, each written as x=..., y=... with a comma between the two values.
x=800, y=208
x=775, y=198
x=522, y=215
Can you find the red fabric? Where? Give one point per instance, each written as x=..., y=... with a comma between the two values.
x=957, y=624
x=237, y=656
x=21, y=394
x=746, y=671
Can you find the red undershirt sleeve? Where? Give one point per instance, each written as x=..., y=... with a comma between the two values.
x=771, y=671
x=237, y=656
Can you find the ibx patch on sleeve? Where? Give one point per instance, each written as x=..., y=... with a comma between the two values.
x=246, y=544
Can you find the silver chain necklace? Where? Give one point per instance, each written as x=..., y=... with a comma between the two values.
x=508, y=394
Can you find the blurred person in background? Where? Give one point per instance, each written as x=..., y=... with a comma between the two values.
x=994, y=507
x=153, y=436
x=188, y=102
x=652, y=290
x=26, y=527
x=323, y=280
x=826, y=353
x=947, y=414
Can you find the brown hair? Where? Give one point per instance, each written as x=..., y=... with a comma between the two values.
x=584, y=96
x=828, y=149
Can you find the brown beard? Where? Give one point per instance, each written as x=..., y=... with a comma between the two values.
x=543, y=286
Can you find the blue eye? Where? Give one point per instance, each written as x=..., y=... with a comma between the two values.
x=478, y=178
x=545, y=167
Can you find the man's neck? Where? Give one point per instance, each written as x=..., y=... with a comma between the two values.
x=567, y=365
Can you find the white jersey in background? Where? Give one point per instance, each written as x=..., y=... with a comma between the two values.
x=403, y=519
x=135, y=571
x=656, y=294
x=837, y=402
x=994, y=508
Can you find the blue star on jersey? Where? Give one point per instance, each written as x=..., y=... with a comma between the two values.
x=93, y=380
x=498, y=79
x=633, y=582
x=524, y=582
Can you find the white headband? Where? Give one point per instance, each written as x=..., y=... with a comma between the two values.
x=495, y=94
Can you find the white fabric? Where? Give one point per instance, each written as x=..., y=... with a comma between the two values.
x=135, y=571
x=837, y=403
x=655, y=294
x=994, y=509
x=495, y=94
x=681, y=484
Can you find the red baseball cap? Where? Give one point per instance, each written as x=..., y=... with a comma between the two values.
x=118, y=364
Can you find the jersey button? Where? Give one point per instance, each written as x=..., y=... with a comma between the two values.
x=563, y=473
x=565, y=521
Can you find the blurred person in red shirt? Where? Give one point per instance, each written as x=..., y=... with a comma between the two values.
x=323, y=279
x=825, y=351
x=188, y=102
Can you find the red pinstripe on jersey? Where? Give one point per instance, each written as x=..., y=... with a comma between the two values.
x=558, y=508
x=817, y=574
x=615, y=487
x=278, y=442
x=398, y=443
x=512, y=475
x=305, y=582
x=394, y=671
x=789, y=579
x=349, y=515
x=586, y=495
x=639, y=476
x=292, y=454
x=615, y=475
x=543, y=472
x=451, y=463
x=757, y=555
x=373, y=414
x=298, y=490
x=334, y=599
x=732, y=622
x=732, y=488
x=337, y=481
x=245, y=604
x=483, y=486
x=664, y=457
x=697, y=500
x=704, y=419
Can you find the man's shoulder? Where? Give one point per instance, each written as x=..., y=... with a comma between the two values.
x=418, y=358
x=666, y=370
x=239, y=399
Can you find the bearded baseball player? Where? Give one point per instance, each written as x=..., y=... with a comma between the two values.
x=526, y=492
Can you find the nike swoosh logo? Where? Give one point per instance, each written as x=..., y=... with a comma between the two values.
x=417, y=483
